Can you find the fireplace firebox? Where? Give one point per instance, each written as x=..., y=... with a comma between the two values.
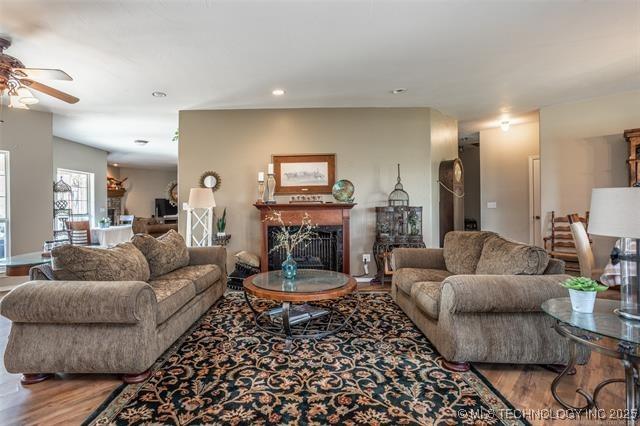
x=328, y=251
x=322, y=252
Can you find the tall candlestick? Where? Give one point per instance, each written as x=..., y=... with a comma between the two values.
x=271, y=189
x=260, y=199
x=270, y=169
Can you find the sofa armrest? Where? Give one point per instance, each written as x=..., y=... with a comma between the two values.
x=499, y=293
x=79, y=302
x=422, y=258
x=212, y=255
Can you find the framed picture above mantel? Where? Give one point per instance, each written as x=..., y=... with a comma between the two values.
x=304, y=173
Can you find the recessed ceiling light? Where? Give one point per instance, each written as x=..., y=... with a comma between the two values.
x=277, y=92
x=140, y=142
x=505, y=125
x=398, y=90
x=115, y=164
x=159, y=94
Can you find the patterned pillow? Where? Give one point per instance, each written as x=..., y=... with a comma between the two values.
x=247, y=258
x=504, y=257
x=165, y=253
x=123, y=262
x=462, y=249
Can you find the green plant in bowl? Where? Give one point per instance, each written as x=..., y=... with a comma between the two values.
x=583, y=284
x=582, y=292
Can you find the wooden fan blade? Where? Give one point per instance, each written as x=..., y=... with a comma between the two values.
x=42, y=73
x=49, y=91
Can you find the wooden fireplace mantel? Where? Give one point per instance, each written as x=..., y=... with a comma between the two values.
x=325, y=214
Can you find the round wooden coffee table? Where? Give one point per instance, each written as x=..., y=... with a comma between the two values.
x=296, y=317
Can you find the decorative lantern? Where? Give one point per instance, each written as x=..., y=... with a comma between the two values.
x=398, y=197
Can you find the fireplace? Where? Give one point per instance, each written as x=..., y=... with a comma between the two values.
x=325, y=251
x=329, y=251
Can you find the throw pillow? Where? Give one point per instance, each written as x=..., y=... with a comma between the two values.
x=247, y=258
x=462, y=250
x=165, y=253
x=123, y=262
x=504, y=257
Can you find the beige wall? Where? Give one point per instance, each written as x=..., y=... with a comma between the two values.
x=74, y=156
x=368, y=143
x=470, y=157
x=504, y=179
x=443, y=146
x=143, y=187
x=27, y=136
x=581, y=147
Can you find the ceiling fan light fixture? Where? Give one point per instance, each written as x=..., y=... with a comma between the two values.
x=14, y=102
x=26, y=97
x=140, y=142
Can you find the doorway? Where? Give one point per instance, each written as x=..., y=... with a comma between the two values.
x=535, y=224
x=469, y=153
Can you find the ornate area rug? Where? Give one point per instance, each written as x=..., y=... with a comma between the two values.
x=379, y=370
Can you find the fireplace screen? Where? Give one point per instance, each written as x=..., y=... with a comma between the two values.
x=322, y=252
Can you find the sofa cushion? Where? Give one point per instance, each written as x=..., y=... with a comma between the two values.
x=504, y=257
x=171, y=296
x=202, y=276
x=426, y=296
x=123, y=262
x=405, y=278
x=462, y=250
x=165, y=253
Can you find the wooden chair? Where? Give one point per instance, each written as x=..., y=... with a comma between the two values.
x=583, y=248
x=79, y=232
x=560, y=243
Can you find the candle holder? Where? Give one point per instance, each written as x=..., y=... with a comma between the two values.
x=260, y=192
x=271, y=189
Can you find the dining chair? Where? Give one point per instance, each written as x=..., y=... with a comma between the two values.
x=79, y=232
x=126, y=219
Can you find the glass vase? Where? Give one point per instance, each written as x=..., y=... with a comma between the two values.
x=289, y=268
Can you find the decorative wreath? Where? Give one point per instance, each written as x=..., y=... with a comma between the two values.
x=213, y=174
x=172, y=193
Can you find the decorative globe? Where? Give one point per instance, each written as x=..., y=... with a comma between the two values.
x=343, y=191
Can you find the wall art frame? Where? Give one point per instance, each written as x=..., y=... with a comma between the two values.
x=304, y=173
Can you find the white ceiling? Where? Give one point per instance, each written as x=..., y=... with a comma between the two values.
x=468, y=59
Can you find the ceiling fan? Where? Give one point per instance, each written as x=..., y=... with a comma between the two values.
x=17, y=80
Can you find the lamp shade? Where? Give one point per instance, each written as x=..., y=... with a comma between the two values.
x=201, y=198
x=615, y=212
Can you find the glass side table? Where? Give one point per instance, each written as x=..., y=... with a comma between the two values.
x=605, y=332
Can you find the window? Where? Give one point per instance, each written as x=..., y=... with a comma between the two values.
x=81, y=184
x=4, y=205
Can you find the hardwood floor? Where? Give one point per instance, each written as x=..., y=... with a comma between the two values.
x=69, y=399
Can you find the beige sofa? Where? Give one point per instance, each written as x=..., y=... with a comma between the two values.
x=108, y=326
x=478, y=299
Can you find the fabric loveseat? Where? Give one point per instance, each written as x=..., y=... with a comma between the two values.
x=478, y=299
x=111, y=310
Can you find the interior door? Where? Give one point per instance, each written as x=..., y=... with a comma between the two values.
x=535, y=214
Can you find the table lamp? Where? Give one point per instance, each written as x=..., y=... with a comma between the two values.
x=200, y=199
x=615, y=212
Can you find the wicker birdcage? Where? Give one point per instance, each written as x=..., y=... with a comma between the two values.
x=398, y=197
x=62, y=209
